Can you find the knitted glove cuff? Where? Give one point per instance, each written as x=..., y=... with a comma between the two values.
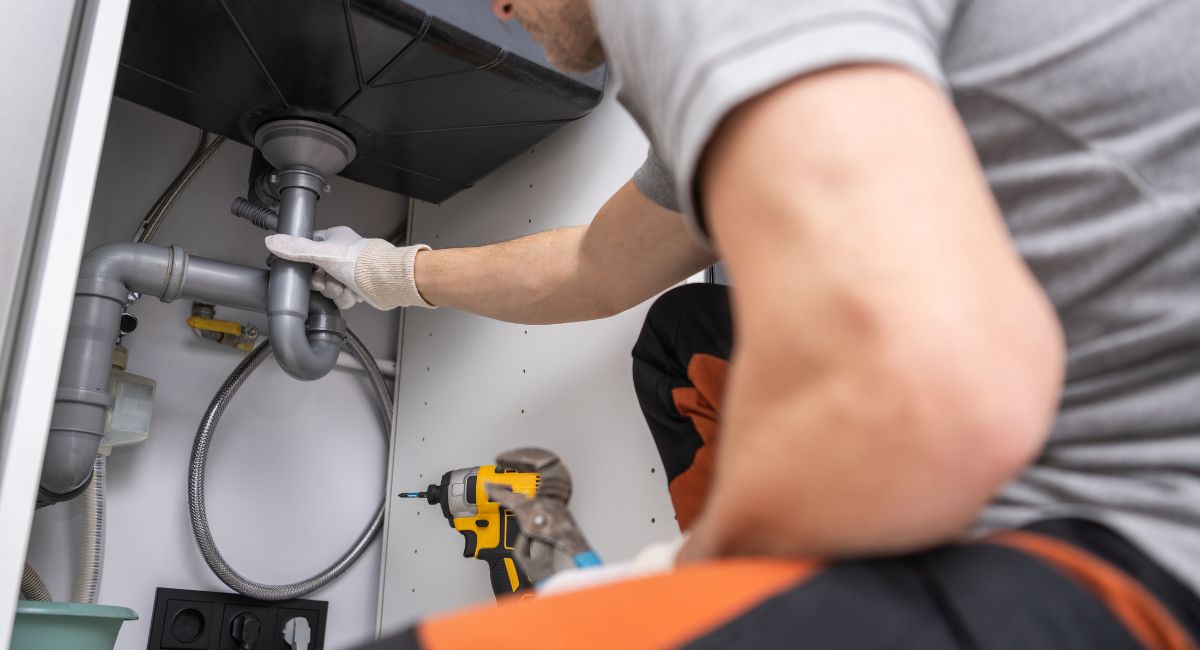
x=384, y=276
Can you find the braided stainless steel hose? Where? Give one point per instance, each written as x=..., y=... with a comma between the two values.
x=199, y=460
x=204, y=152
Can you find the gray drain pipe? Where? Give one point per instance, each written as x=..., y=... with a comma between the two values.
x=306, y=331
x=107, y=276
x=287, y=296
x=304, y=153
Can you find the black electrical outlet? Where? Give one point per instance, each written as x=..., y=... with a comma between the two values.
x=207, y=620
x=247, y=626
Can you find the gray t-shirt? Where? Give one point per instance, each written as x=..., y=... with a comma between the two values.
x=1086, y=117
x=653, y=179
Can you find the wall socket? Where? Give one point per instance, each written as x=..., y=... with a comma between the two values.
x=205, y=620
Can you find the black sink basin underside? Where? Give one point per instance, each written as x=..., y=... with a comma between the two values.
x=435, y=93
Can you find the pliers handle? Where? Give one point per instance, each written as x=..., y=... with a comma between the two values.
x=544, y=519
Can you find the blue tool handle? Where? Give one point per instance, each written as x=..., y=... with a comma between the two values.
x=582, y=561
x=587, y=559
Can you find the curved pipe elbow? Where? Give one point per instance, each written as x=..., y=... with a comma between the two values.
x=67, y=470
x=306, y=330
x=116, y=268
x=302, y=354
x=111, y=260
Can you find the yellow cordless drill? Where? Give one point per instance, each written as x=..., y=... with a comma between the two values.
x=489, y=528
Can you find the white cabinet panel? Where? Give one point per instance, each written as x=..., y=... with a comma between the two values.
x=472, y=387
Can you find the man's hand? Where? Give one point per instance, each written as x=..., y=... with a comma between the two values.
x=352, y=269
x=895, y=361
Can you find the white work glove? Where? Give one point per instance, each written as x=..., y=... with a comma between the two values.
x=334, y=290
x=352, y=269
x=660, y=557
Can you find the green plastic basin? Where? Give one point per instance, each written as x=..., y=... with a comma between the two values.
x=67, y=626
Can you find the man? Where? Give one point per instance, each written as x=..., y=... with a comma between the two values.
x=962, y=236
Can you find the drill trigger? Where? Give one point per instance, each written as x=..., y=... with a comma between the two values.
x=472, y=543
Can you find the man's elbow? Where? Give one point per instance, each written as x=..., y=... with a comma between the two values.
x=916, y=436
x=991, y=407
x=969, y=422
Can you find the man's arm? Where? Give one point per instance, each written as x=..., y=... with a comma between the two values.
x=632, y=250
x=895, y=361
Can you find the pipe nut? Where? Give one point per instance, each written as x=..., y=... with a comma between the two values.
x=303, y=178
x=88, y=396
x=102, y=288
x=322, y=322
x=176, y=275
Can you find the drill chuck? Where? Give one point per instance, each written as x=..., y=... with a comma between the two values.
x=432, y=494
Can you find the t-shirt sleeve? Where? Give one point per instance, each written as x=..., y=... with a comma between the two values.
x=682, y=66
x=656, y=183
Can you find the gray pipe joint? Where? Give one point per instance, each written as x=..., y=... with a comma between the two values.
x=107, y=275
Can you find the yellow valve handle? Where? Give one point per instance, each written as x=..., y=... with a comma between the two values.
x=214, y=325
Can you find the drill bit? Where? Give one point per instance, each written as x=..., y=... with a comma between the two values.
x=431, y=494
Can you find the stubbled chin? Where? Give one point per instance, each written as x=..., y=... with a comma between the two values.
x=576, y=65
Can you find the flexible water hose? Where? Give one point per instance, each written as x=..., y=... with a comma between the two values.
x=91, y=548
x=32, y=587
x=204, y=434
x=158, y=213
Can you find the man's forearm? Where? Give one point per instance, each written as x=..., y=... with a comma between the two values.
x=534, y=279
x=631, y=251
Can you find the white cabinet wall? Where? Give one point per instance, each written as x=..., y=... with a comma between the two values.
x=472, y=387
x=296, y=468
